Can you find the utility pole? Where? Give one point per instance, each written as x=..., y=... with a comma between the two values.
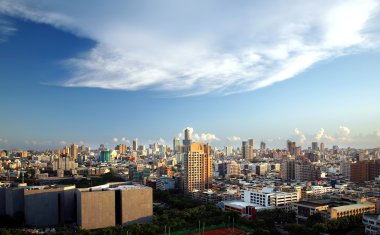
x=233, y=225
x=199, y=227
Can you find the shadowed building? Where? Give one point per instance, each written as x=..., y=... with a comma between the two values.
x=101, y=207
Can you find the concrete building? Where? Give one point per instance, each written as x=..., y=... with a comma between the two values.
x=105, y=155
x=165, y=183
x=233, y=168
x=92, y=208
x=330, y=209
x=74, y=151
x=262, y=146
x=122, y=148
x=371, y=223
x=51, y=206
x=135, y=144
x=102, y=206
x=176, y=145
x=187, y=140
x=197, y=167
x=269, y=198
x=314, y=146
x=287, y=169
x=261, y=169
x=365, y=170
x=42, y=206
x=247, y=149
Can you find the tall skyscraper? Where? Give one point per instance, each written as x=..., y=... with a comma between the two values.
x=247, y=149
x=314, y=146
x=292, y=148
x=322, y=148
x=187, y=140
x=66, y=150
x=197, y=167
x=262, y=145
x=135, y=144
x=176, y=145
x=122, y=148
x=251, y=143
x=105, y=155
x=228, y=150
x=74, y=151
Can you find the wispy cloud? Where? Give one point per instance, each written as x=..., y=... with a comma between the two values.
x=6, y=30
x=234, y=138
x=301, y=136
x=3, y=142
x=200, y=48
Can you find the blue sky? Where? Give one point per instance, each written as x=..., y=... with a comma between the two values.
x=107, y=73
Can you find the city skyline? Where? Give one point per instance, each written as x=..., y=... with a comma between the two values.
x=108, y=73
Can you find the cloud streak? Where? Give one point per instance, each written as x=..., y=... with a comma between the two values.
x=197, y=48
x=6, y=30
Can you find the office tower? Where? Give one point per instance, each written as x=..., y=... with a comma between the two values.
x=135, y=144
x=66, y=150
x=105, y=155
x=251, y=143
x=247, y=149
x=197, y=167
x=292, y=148
x=262, y=145
x=322, y=148
x=102, y=147
x=314, y=146
x=287, y=169
x=187, y=140
x=74, y=151
x=176, y=145
x=122, y=148
x=228, y=150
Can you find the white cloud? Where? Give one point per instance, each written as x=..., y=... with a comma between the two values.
x=62, y=143
x=125, y=140
x=377, y=133
x=205, y=137
x=234, y=138
x=115, y=139
x=301, y=136
x=193, y=48
x=6, y=30
x=3, y=141
x=161, y=141
x=81, y=142
x=344, y=133
x=319, y=134
x=38, y=143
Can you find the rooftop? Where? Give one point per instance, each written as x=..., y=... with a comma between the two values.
x=242, y=204
x=352, y=207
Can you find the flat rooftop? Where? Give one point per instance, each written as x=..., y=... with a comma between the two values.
x=352, y=207
x=242, y=204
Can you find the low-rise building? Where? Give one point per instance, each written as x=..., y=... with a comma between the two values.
x=330, y=209
x=269, y=198
x=165, y=183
